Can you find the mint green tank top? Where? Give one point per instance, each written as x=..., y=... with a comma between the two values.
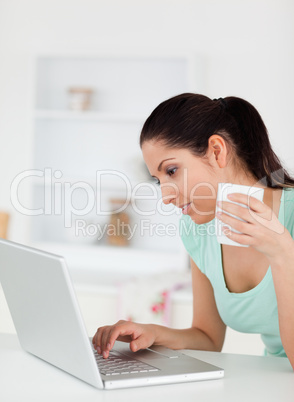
x=254, y=311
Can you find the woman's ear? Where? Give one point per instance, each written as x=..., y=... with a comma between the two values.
x=218, y=151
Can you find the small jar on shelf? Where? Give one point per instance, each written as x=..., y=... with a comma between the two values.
x=119, y=224
x=4, y=219
x=80, y=98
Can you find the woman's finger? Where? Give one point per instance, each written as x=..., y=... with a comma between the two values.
x=236, y=224
x=249, y=200
x=240, y=238
x=238, y=211
x=125, y=331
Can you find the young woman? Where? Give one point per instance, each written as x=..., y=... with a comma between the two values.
x=191, y=143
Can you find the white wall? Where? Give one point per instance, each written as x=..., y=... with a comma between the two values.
x=247, y=45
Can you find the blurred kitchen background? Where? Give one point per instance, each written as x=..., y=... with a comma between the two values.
x=77, y=80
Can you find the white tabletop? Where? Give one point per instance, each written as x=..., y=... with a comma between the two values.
x=247, y=378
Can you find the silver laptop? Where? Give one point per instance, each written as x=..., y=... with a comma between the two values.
x=47, y=318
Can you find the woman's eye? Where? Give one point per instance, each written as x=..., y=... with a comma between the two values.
x=171, y=171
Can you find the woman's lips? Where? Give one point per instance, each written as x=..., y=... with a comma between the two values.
x=185, y=208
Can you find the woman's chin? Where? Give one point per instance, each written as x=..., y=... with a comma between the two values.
x=200, y=219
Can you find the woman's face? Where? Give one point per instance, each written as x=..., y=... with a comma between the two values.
x=187, y=181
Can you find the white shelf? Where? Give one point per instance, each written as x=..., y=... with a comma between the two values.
x=87, y=115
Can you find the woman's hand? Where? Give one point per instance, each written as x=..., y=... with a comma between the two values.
x=140, y=336
x=260, y=227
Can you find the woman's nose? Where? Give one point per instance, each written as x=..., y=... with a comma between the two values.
x=168, y=192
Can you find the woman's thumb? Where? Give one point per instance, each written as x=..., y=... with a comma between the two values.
x=140, y=343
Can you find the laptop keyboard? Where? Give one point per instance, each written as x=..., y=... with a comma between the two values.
x=120, y=364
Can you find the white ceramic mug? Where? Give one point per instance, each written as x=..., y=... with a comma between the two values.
x=224, y=189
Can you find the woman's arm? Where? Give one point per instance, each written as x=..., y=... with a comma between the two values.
x=207, y=331
x=263, y=231
x=283, y=276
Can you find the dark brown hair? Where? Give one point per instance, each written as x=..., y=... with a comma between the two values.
x=188, y=120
